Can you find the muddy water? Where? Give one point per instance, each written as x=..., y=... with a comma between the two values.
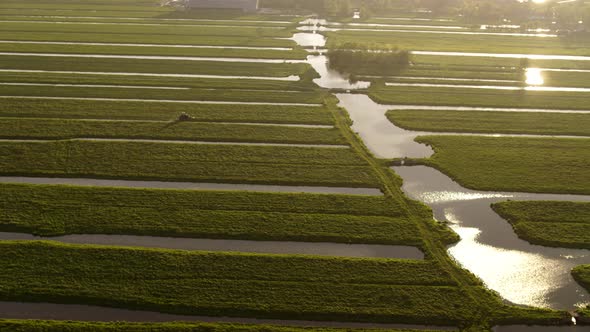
x=50, y=311
x=292, y=78
x=260, y=247
x=190, y=185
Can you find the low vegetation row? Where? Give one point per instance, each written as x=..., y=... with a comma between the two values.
x=346, y=60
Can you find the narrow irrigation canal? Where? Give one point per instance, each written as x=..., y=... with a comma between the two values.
x=521, y=273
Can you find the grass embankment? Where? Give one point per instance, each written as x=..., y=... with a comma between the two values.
x=59, y=326
x=459, y=42
x=61, y=210
x=582, y=276
x=554, y=224
x=187, y=162
x=492, y=122
x=215, y=284
x=155, y=50
x=126, y=110
x=545, y=165
x=153, y=66
x=443, y=96
x=215, y=132
x=220, y=95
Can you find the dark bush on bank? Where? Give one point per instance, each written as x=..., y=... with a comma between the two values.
x=367, y=62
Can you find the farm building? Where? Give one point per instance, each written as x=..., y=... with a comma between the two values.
x=245, y=5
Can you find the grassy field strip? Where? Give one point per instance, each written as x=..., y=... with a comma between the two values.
x=292, y=78
x=171, y=141
x=208, y=51
x=450, y=79
x=144, y=29
x=235, y=218
x=439, y=32
x=323, y=249
x=57, y=108
x=513, y=164
x=148, y=45
x=531, y=56
x=160, y=101
x=216, y=284
x=145, y=24
x=491, y=123
x=155, y=38
x=211, y=325
x=237, y=96
x=158, y=64
x=153, y=57
x=384, y=25
x=187, y=162
x=97, y=86
x=555, y=224
x=491, y=87
x=445, y=96
x=171, y=21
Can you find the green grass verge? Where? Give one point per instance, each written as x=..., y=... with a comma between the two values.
x=437, y=96
x=265, y=286
x=66, y=129
x=60, y=326
x=126, y=110
x=545, y=165
x=492, y=122
x=153, y=66
x=187, y=162
x=554, y=224
x=49, y=211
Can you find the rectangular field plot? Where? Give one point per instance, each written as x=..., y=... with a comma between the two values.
x=49, y=211
x=492, y=122
x=190, y=162
x=196, y=131
x=251, y=285
x=162, y=111
x=513, y=164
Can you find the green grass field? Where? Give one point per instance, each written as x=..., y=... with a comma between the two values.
x=58, y=326
x=187, y=162
x=582, y=276
x=555, y=224
x=48, y=211
x=492, y=122
x=443, y=96
x=234, y=284
x=544, y=165
x=152, y=66
x=128, y=110
x=67, y=129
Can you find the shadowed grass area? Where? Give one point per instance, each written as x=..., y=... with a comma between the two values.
x=582, y=276
x=492, y=122
x=555, y=224
x=546, y=165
